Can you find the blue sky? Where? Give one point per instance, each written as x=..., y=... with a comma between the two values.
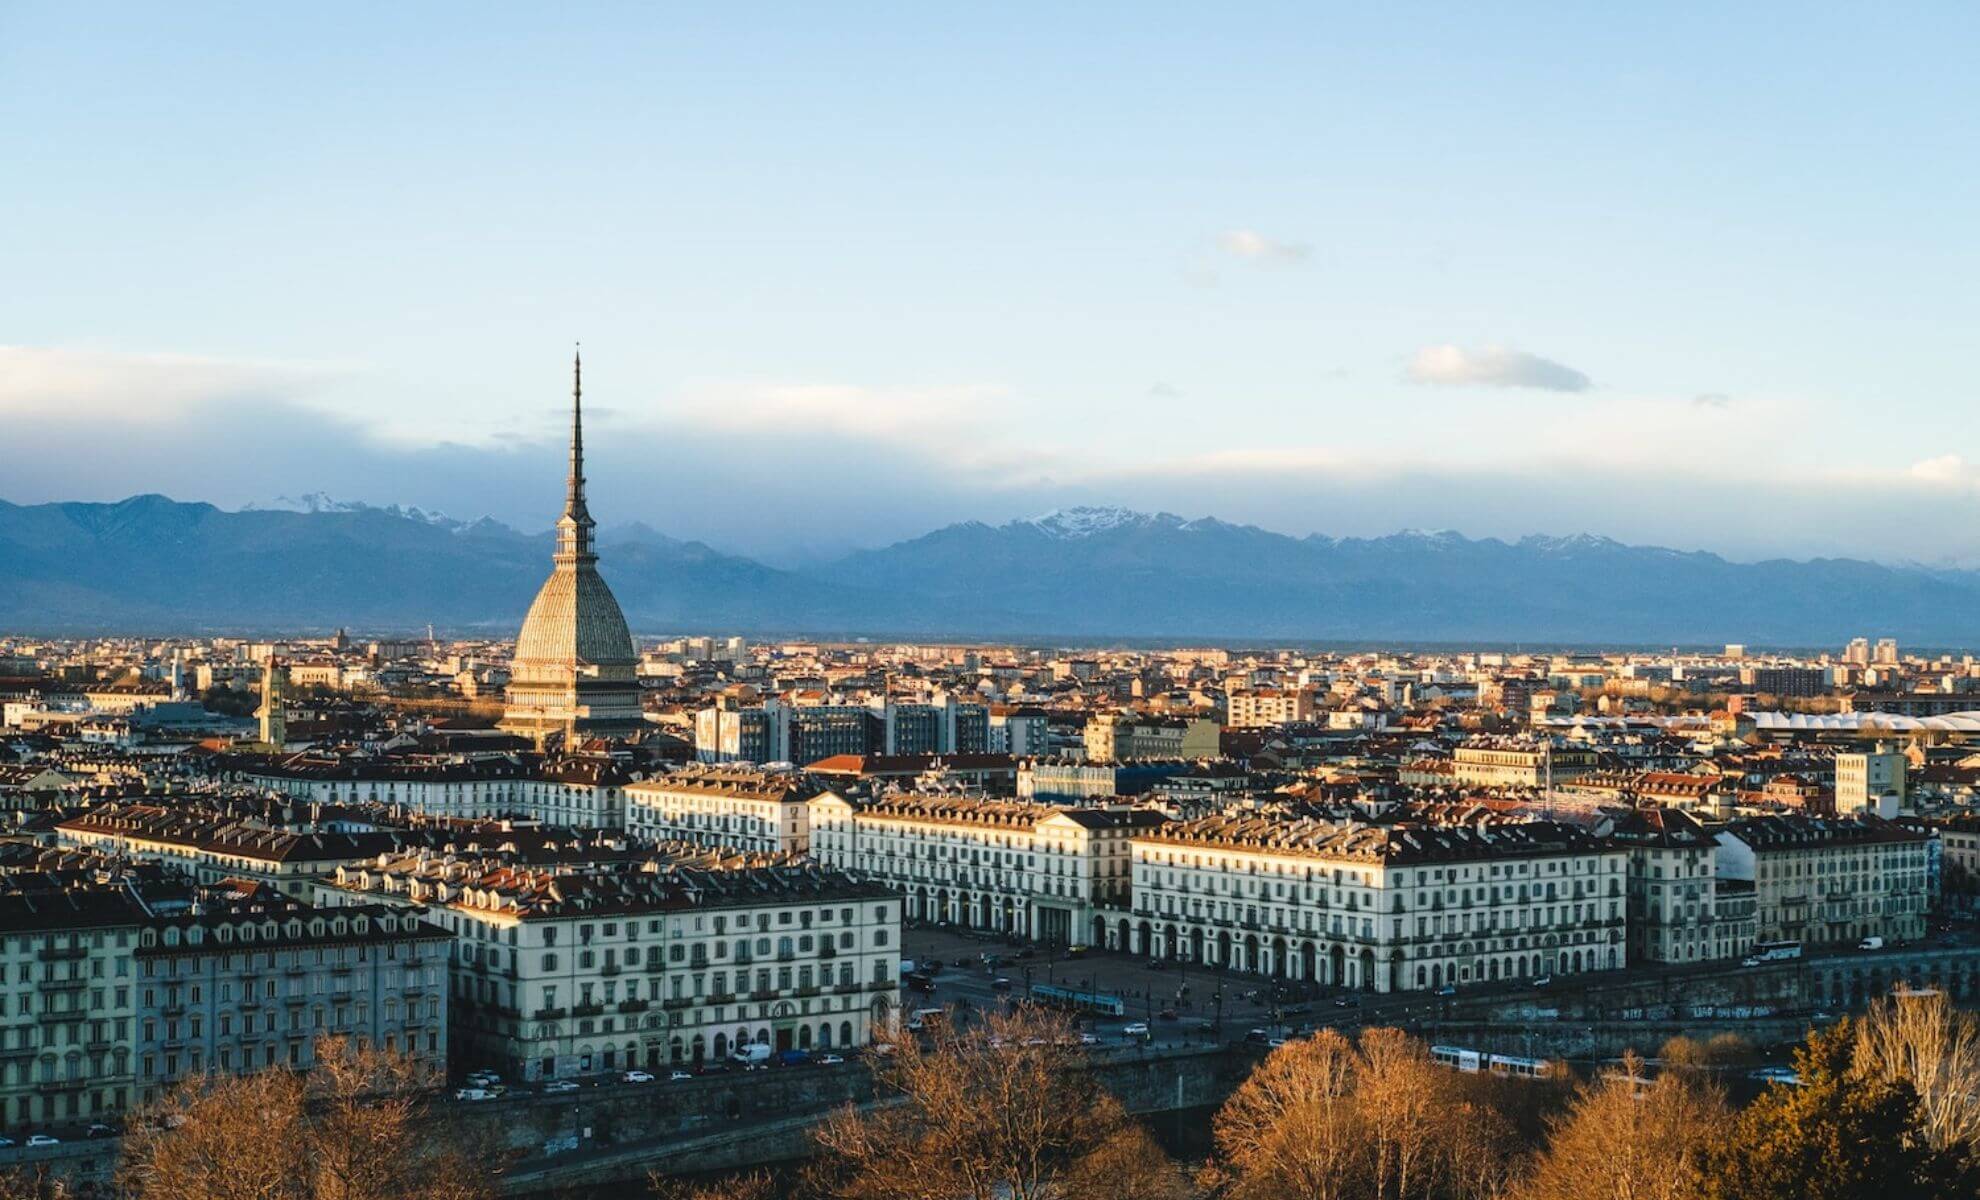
x=844, y=273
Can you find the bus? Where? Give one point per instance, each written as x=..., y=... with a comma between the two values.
x=1104, y=1004
x=1776, y=951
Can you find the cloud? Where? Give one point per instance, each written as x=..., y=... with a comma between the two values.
x=1942, y=471
x=1164, y=391
x=47, y=381
x=1493, y=366
x=1711, y=400
x=1253, y=246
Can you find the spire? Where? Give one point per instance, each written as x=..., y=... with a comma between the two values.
x=574, y=528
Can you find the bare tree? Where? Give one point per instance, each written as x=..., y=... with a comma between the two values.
x=1629, y=1138
x=1293, y=1129
x=1003, y=1110
x=751, y=1185
x=356, y=1127
x=1922, y=1040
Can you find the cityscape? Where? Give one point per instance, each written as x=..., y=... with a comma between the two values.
x=671, y=832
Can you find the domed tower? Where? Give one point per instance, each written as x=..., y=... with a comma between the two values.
x=575, y=671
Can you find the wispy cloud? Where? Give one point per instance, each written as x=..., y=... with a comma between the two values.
x=1711, y=400
x=1493, y=366
x=139, y=388
x=1253, y=246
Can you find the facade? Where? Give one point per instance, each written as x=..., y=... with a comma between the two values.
x=1828, y=882
x=1380, y=908
x=1046, y=874
x=1120, y=737
x=752, y=811
x=1674, y=907
x=572, y=971
x=244, y=982
x=210, y=848
x=68, y=1003
x=780, y=732
x=575, y=672
x=946, y=726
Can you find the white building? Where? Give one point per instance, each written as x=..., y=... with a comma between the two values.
x=756, y=811
x=1379, y=907
x=1048, y=874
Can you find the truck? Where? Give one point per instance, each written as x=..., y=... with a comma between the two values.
x=755, y=1054
x=1873, y=942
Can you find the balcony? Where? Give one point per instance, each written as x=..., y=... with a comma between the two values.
x=721, y=998
x=550, y=1014
x=610, y=968
x=587, y=1010
x=675, y=1003
x=64, y=985
x=806, y=990
x=847, y=989
x=57, y=953
x=56, y=1016
x=882, y=985
x=633, y=1006
x=763, y=994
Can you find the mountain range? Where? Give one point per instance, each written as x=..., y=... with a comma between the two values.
x=153, y=564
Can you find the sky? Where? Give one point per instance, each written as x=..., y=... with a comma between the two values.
x=847, y=273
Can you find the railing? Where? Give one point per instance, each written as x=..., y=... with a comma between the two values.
x=550, y=1014
x=633, y=1006
x=54, y=953
x=721, y=997
x=587, y=1010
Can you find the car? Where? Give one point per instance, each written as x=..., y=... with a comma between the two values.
x=1447, y=990
x=1135, y=1029
x=5, y=1141
x=1775, y=1075
x=638, y=1077
x=1167, y=1014
x=558, y=1087
x=473, y=1094
x=755, y=1066
x=1347, y=1002
x=1543, y=981
x=1158, y=964
x=483, y=1078
x=1258, y=1035
x=43, y=1139
x=1088, y=1039
x=100, y=1130
x=1749, y=961
x=678, y=1076
x=829, y=1060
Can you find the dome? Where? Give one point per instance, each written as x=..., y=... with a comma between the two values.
x=574, y=620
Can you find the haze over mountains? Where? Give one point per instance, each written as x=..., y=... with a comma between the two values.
x=154, y=564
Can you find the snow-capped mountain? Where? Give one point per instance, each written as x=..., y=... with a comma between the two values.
x=1084, y=521
x=323, y=502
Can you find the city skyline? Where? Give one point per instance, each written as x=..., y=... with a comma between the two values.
x=885, y=274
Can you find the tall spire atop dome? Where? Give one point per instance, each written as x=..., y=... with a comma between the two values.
x=575, y=526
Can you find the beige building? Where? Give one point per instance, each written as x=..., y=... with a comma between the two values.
x=1380, y=908
x=1122, y=737
x=1250, y=709
x=1676, y=911
x=1870, y=781
x=1518, y=762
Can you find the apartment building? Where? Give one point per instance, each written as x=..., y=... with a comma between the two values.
x=211, y=847
x=1124, y=737
x=1382, y=908
x=754, y=811
x=1828, y=881
x=579, y=971
x=1676, y=914
x=246, y=979
x=1048, y=874
x=1253, y=708
x=67, y=1000
x=1870, y=781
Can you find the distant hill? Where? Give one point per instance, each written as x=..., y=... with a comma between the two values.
x=150, y=563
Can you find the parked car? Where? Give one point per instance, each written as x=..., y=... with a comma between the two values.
x=639, y=1077
x=1544, y=981
x=558, y=1087
x=100, y=1130
x=43, y=1139
x=483, y=1078
x=473, y=1094
x=1136, y=1029
x=1087, y=1039
x=1447, y=990
x=1000, y=984
x=792, y=1058
x=829, y=1060
x=5, y=1141
x=679, y=1076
